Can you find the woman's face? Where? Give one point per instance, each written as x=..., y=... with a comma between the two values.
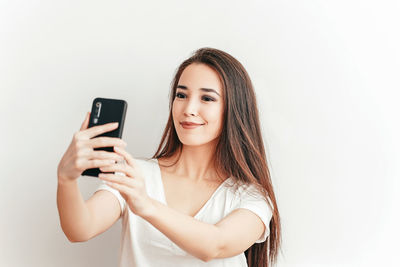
x=199, y=100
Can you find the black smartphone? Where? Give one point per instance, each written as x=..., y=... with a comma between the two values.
x=106, y=110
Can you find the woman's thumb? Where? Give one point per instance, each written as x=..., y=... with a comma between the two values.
x=85, y=123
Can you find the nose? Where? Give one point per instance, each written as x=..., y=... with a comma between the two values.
x=191, y=108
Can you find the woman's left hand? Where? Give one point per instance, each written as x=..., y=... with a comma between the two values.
x=132, y=186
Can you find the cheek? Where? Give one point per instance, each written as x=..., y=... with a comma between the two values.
x=214, y=115
x=175, y=109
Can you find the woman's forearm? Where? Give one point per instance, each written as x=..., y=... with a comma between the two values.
x=73, y=212
x=198, y=238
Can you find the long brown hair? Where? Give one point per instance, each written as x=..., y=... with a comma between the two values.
x=240, y=150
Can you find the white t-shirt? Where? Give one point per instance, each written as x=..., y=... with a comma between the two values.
x=143, y=245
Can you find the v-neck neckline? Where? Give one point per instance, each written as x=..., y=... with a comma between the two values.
x=164, y=199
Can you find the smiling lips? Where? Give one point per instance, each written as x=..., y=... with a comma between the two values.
x=190, y=125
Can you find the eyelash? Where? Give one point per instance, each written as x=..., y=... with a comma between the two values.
x=210, y=98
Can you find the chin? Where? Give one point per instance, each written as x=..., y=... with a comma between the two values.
x=195, y=141
x=187, y=142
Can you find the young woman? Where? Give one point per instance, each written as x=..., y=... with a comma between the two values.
x=205, y=198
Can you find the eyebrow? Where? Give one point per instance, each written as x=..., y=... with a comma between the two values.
x=202, y=89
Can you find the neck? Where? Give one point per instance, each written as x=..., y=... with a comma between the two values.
x=196, y=163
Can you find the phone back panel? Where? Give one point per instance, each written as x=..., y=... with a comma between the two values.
x=106, y=110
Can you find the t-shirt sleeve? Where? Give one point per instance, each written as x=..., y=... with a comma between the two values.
x=255, y=202
x=121, y=200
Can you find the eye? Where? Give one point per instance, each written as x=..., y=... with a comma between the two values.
x=180, y=95
x=208, y=99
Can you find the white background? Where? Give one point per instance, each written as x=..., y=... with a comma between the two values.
x=326, y=74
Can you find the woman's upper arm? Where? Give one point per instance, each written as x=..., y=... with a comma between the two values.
x=104, y=210
x=238, y=231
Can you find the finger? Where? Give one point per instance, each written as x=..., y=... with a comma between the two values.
x=99, y=129
x=129, y=159
x=118, y=179
x=106, y=142
x=123, y=189
x=85, y=123
x=96, y=163
x=100, y=154
x=126, y=169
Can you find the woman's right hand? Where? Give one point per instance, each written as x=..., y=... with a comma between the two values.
x=81, y=155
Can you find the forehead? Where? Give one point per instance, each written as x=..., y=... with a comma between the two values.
x=198, y=75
